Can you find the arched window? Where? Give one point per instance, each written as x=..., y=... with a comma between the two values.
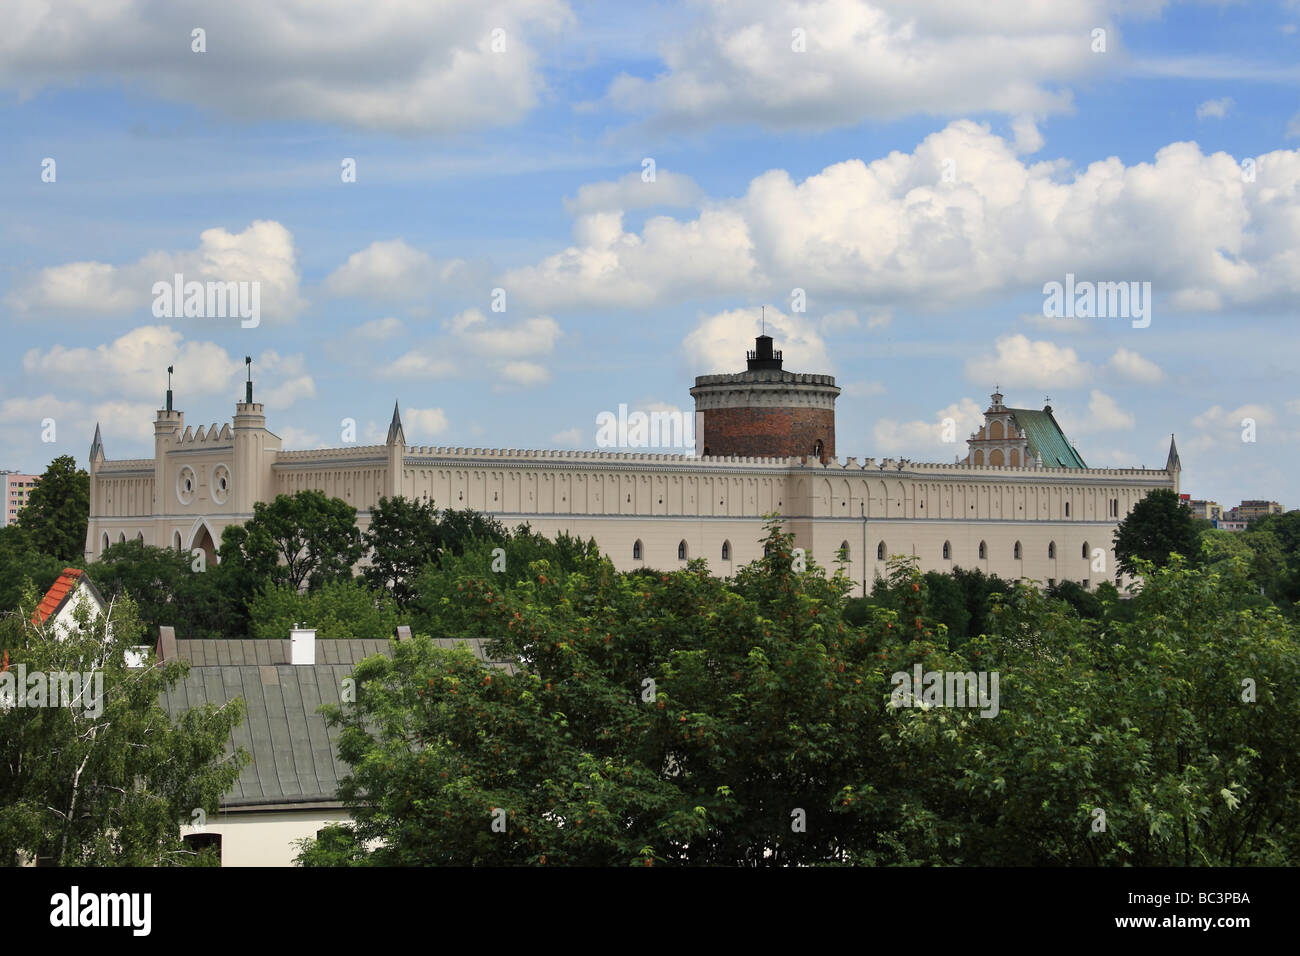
x=636, y=551
x=844, y=550
x=947, y=550
x=1015, y=553
x=176, y=540
x=984, y=550
x=818, y=448
x=1086, y=551
x=726, y=551
x=1051, y=549
x=880, y=551
x=121, y=537
x=1067, y=509
x=681, y=550
x=103, y=543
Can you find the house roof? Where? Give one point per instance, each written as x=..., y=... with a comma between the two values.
x=61, y=592
x=1046, y=440
x=294, y=753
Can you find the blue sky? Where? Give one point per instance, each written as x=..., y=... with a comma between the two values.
x=919, y=169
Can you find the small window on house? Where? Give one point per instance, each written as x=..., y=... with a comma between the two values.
x=1085, y=551
x=1051, y=582
x=1067, y=509
x=1051, y=549
x=947, y=551
x=726, y=551
x=817, y=448
x=880, y=551
x=636, y=551
x=707, y=453
x=844, y=550
x=1015, y=552
x=681, y=550
x=984, y=550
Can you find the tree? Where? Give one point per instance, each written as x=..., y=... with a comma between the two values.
x=674, y=718
x=22, y=566
x=104, y=778
x=338, y=610
x=58, y=511
x=1158, y=526
x=402, y=538
x=165, y=587
x=297, y=540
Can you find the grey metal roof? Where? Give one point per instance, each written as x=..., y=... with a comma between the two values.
x=294, y=757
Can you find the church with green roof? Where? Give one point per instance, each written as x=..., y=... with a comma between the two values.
x=1021, y=438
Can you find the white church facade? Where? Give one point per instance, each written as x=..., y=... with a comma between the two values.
x=1022, y=504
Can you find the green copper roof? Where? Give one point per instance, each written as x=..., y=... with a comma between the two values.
x=1046, y=440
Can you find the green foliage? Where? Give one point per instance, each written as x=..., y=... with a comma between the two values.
x=305, y=539
x=23, y=566
x=678, y=719
x=402, y=538
x=1158, y=526
x=338, y=610
x=107, y=784
x=58, y=510
x=166, y=589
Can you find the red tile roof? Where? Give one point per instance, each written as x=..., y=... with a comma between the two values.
x=58, y=594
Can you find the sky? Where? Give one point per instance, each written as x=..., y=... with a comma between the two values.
x=510, y=216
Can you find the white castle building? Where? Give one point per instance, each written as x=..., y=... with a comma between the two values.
x=1022, y=504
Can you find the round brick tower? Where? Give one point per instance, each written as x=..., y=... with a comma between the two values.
x=766, y=412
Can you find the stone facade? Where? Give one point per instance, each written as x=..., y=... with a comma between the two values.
x=644, y=510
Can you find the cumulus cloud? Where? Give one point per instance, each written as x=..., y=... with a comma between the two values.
x=283, y=380
x=135, y=365
x=421, y=424
x=633, y=192
x=392, y=66
x=822, y=63
x=1018, y=361
x=473, y=343
x=391, y=270
x=926, y=439
x=525, y=373
x=380, y=330
x=1214, y=109
x=894, y=231
x=719, y=342
x=1104, y=415
x=1130, y=366
x=263, y=253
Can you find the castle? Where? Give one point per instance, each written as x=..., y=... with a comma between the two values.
x=1022, y=504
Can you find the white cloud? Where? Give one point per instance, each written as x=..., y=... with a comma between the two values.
x=525, y=373
x=262, y=253
x=892, y=231
x=1130, y=366
x=420, y=364
x=1215, y=109
x=391, y=270
x=282, y=381
x=926, y=439
x=1104, y=415
x=380, y=330
x=394, y=66
x=135, y=365
x=1219, y=419
x=533, y=336
x=739, y=63
x=1018, y=361
x=422, y=424
x=633, y=192
x=719, y=342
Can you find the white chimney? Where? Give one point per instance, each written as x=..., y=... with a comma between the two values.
x=302, y=645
